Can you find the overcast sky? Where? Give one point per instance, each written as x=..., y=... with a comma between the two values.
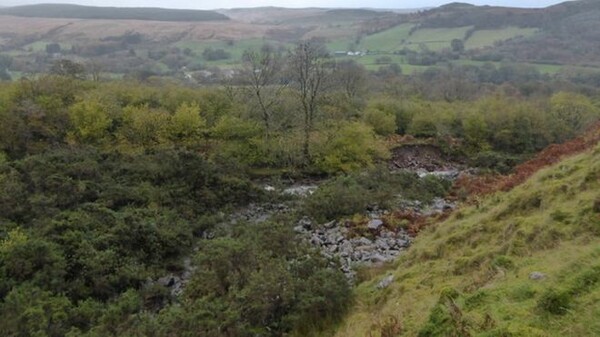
x=203, y=4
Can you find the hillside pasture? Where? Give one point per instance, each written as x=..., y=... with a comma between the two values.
x=487, y=37
x=387, y=40
x=435, y=38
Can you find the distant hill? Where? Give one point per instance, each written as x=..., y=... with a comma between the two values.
x=296, y=16
x=111, y=13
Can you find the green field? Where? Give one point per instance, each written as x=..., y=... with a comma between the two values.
x=399, y=37
x=388, y=40
x=435, y=38
x=341, y=44
x=40, y=46
x=235, y=48
x=550, y=69
x=486, y=38
x=370, y=62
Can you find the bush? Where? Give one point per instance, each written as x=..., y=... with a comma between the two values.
x=348, y=195
x=340, y=197
x=496, y=161
x=210, y=54
x=260, y=281
x=422, y=126
x=555, y=301
x=383, y=123
x=350, y=146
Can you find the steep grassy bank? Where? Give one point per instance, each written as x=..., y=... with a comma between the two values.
x=475, y=274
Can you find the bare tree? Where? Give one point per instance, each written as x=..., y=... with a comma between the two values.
x=352, y=77
x=94, y=68
x=309, y=70
x=261, y=72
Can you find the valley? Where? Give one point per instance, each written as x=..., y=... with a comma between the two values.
x=300, y=172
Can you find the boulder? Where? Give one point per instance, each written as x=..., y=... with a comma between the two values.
x=385, y=282
x=537, y=276
x=375, y=224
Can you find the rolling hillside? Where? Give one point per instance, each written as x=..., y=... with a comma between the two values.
x=165, y=41
x=111, y=13
x=518, y=263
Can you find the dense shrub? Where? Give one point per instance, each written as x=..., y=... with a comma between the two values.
x=555, y=301
x=347, y=195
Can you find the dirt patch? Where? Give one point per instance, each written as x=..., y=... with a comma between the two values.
x=421, y=157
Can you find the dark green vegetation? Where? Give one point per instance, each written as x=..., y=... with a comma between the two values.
x=352, y=194
x=111, y=13
x=105, y=188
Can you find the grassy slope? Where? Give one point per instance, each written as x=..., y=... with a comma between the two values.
x=399, y=37
x=114, y=13
x=436, y=38
x=486, y=254
x=387, y=40
x=487, y=37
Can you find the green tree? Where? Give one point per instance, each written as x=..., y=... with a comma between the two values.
x=186, y=125
x=383, y=122
x=90, y=120
x=572, y=113
x=457, y=45
x=68, y=68
x=349, y=146
x=143, y=126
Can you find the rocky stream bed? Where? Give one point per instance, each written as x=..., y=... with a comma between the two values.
x=335, y=239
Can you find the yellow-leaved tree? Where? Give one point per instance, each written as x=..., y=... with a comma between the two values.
x=186, y=125
x=90, y=121
x=349, y=146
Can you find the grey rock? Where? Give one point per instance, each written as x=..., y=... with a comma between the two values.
x=377, y=258
x=299, y=229
x=364, y=241
x=382, y=244
x=330, y=224
x=305, y=222
x=375, y=224
x=301, y=190
x=537, y=276
x=385, y=282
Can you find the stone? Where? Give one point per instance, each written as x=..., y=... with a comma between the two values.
x=364, y=241
x=385, y=282
x=537, y=276
x=169, y=281
x=301, y=190
x=375, y=224
x=382, y=244
x=305, y=222
x=299, y=229
x=330, y=224
x=377, y=258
